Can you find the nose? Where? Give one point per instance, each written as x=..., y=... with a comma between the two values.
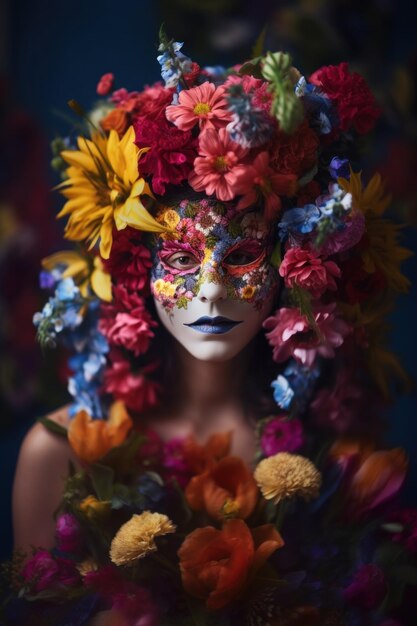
x=212, y=290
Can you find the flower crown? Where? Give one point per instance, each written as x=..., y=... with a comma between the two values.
x=258, y=135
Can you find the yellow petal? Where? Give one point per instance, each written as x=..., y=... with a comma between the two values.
x=101, y=285
x=134, y=214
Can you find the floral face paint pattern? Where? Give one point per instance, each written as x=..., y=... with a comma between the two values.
x=215, y=243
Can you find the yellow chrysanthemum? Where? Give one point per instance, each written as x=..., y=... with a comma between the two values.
x=169, y=217
x=383, y=250
x=85, y=273
x=286, y=475
x=136, y=538
x=104, y=190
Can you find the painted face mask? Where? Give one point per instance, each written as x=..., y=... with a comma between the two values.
x=212, y=281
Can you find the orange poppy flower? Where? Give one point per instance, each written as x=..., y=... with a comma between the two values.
x=92, y=439
x=372, y=477
x=216, y=564
x=227, y=489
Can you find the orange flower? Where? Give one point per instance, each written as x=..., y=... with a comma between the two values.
x=372, y=477
x=92, y=439
x=200, y=457
x=227, y=489
x=217, y=564
x=117, y=120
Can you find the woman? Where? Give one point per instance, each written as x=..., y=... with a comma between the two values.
x=225, y=206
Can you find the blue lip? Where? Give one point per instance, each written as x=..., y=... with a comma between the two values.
x=213, y=325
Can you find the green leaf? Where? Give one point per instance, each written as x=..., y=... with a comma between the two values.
x=102, y=477
x=53, y=427
x=258, y=48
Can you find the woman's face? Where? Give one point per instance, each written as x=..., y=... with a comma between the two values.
x=211, y=281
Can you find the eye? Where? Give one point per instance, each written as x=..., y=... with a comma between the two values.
x=239, y=258
x=182, y=261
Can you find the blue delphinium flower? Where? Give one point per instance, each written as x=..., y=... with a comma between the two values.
x=293, y=388
x=339, y=168
x=174, y=64
x=62, y=312
x=87, y=364
x=301, y=221
x=333, y=208
x=319, y=109
x=152, y=491
x=250, y=127
x=283, y=394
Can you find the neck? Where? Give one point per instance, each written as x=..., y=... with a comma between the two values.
x=205, y=386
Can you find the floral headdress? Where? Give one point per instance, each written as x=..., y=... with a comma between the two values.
x=257, y=136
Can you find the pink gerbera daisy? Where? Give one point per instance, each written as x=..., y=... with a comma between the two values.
x=219, y=165
x=205, y=104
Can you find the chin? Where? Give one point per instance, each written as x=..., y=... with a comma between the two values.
x=213, y=350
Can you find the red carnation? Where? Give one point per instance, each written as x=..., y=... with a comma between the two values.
x=171, y=155
x=150, y=103
x=356, y=105
x=308, y=270
x=297, y=153
x=130, y=261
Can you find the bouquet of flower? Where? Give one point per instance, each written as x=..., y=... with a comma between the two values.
x=157, y=533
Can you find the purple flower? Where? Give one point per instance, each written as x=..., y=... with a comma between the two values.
x=339, y=168
x=68, y=533
x=367, y=588
x=43, y=571
x=46, y=280
x=281, y=435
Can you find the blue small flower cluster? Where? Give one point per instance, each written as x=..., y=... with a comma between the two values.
x=174, y=64
x=326, y=216
x=294, y=388
x=88, y=364
x=250, y=127
x=73, y=319
x=62, y=312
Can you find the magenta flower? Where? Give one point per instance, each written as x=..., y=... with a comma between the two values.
x=126, y=322
x=204, y=105
x=368, y=587
x=290, y=334
x=307, y=269
x=68, y=533
x=281, y=435
x=135, y=389
x=174, y=461
x=218, y=165
x=43, y=571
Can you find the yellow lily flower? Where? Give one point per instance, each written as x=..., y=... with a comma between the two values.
x=85, y=274
x=104, y=190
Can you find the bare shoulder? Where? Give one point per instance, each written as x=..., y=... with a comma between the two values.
x=41, y=471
